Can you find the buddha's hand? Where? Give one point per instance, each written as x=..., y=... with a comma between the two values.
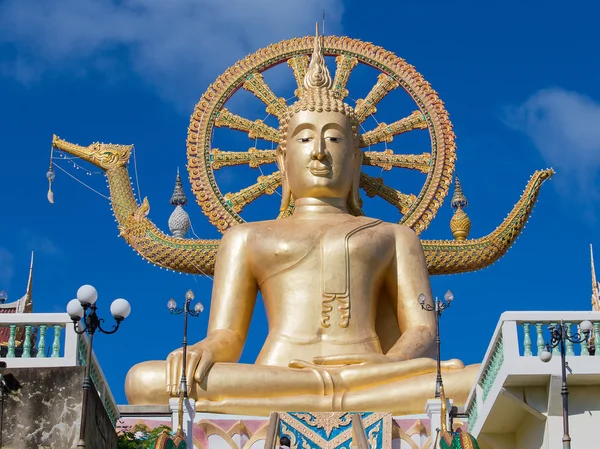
x=357, y=359
x=199, y=361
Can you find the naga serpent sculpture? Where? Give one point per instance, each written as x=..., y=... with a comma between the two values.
x=197, y=256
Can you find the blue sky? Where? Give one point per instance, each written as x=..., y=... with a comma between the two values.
x=519, y=80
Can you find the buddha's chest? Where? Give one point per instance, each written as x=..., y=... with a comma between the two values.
x=324, y=252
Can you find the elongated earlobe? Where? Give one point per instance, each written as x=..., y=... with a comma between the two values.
x=354, y=201
x=286, y=193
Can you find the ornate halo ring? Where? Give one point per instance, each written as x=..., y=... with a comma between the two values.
x=417, y=210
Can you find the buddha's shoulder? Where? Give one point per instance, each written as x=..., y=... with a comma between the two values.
x=400, y=232
x=245, y=230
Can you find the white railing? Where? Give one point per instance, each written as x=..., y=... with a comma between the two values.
x=514, y=350
x=39, y=340
x=42, y=340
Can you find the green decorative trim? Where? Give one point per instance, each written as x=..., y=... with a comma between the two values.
x=109, y=406
x=493, y=367
x=472, y=413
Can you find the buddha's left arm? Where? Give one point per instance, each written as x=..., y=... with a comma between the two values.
x=407, y=279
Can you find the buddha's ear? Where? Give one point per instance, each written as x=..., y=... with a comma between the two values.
x=286, y=194
x=354, y=201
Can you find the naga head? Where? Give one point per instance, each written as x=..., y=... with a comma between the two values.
x=107, y=156
x=318, y=153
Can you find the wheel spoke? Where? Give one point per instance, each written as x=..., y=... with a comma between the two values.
x=365, y=107
x=255, y=129
x=387, y=159
x=253, y=157
x=255, y=83
x=299, y=64
x=345, y=64
x=375, y=186
x=386, y=133
x=264, y=185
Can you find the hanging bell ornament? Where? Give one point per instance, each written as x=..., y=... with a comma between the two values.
x=50, y=175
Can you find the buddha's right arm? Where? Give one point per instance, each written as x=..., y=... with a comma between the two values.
x=233, y=298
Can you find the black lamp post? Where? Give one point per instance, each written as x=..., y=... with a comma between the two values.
x=559, y=334
x=197, y=310
x=438, y=307
x=83, y=313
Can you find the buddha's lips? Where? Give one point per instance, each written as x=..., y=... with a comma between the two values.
x=321, y=170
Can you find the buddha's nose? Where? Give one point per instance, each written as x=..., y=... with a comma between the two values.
x=318, y=152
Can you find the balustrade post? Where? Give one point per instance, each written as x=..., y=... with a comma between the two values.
x=597, y=339
x=56, y=342
x=569, y=351
x=555, y=350
x=41, y=352
x=540, y=337
x=584, y=344
x=11, y=341
x=27, y=342
x=527, y=340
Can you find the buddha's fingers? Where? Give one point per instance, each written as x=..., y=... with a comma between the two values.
x=173, y=367
x=206, y=363
x=301, y=364
x=192, y=362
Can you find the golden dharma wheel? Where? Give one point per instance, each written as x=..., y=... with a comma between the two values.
x=437, y=165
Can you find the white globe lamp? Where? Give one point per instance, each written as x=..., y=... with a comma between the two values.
x=87, y=295
x=75, y=310
x=545, y=354
x=120, y=309
x=586, y=328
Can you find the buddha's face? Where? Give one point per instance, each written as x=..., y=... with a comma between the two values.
x=320, y=158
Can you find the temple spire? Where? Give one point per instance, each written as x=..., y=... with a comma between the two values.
x=460, y=224
x=178, y=198
x=179, y=221
x=26, y=302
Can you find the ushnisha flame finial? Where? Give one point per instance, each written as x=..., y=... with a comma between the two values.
x=317, y=76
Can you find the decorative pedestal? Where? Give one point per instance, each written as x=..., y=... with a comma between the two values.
x=217, y=431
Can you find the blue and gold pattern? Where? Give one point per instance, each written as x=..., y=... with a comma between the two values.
x=334, y=430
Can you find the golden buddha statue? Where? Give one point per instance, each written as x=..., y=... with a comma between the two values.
x=346, y=329
x=326, y=275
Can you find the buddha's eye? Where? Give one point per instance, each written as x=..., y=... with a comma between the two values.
x=305, y=139
x=333, y=139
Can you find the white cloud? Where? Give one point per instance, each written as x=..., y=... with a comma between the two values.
x=176, y=46
x=38, y=243
x=565, y=128
x=6, y=268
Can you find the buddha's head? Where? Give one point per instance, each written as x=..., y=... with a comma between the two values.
x=319, y=154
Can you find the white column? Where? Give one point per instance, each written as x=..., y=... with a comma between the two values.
x=189, y=412
x=433, y=408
